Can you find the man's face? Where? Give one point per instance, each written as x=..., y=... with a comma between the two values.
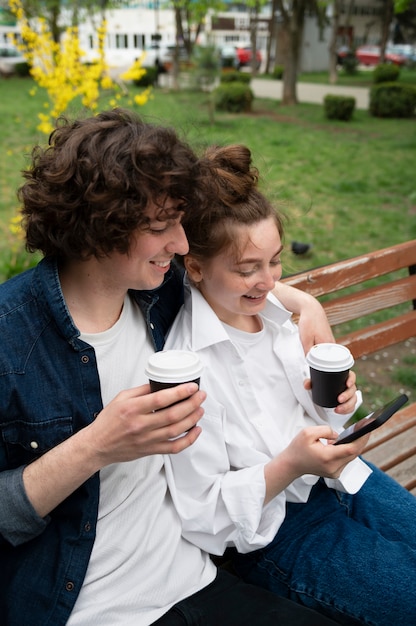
x=151, y=252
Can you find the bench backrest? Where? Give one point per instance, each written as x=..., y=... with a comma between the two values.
x=397, y=288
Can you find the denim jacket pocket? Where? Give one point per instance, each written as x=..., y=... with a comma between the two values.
x=26, y=441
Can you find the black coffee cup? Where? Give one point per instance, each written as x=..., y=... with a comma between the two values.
x=329, y=365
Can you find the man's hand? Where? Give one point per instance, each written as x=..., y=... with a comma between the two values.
x=134, y=424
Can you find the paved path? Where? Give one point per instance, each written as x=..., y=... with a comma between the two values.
x=309, y=92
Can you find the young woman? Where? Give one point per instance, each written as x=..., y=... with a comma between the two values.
x=253, y=479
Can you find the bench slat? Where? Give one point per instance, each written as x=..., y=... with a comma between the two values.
x=368, y=301
x=400, y=422
x=394, y=448
x=381, y=335
x=329, y=278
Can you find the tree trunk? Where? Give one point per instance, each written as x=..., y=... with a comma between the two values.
x=387, y=19
x=293, y=23
x=272, y=37
x=333, y=57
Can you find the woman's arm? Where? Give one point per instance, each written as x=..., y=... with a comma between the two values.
x=313, y=322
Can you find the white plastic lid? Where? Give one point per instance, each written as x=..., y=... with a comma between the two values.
x=173, y=366
x=329, y=357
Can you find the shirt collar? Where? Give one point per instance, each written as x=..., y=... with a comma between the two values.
x=207, y=329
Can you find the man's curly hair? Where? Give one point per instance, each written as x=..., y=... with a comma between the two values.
x=87, y=192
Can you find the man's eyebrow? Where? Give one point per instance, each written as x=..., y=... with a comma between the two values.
x=255, y=260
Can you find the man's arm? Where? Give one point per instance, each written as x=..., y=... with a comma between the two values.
x=313, y=322
x=135, y=424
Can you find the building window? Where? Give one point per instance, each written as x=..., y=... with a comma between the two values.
x=138, y=41
x=122, y=41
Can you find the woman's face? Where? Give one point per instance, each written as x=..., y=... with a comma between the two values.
x=236, y=284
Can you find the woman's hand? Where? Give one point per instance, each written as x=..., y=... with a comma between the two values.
x=310, y=452
x=347, y=399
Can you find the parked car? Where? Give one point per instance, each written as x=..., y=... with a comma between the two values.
x=370, y=55
x=405, y=50
x=244, y=55
x=9, y=58
x=229, y=57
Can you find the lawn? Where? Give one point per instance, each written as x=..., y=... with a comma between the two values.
x=345, y=187
x=361, y=78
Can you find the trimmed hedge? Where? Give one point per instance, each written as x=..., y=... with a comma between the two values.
x=234, y=97
x=339, y=107
x=392, y=100
x=235, y=77
x=22, y=69
x=386, y=73
x=278, y=72
x=148, y=79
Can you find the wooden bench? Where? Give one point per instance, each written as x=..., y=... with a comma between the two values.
x=393, y=446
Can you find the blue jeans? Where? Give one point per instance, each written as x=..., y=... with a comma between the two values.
x=353, y=558
x=228, y=601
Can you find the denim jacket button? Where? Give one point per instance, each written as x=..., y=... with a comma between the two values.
x=87, y=527
x=34, y=445
x=69, y=586
x=85, y=359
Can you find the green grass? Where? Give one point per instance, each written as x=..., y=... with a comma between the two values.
x=362, y=78
x=346, y=187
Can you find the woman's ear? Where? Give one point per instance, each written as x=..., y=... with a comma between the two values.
x=193, y=267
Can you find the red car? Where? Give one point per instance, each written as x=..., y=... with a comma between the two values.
x=370, y=55
x=244, y=55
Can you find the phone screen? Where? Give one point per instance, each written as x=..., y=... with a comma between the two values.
x=372, y=421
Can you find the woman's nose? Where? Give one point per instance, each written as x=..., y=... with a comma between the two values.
x=270, y=277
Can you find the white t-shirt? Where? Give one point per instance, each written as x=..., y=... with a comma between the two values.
x=140, y=565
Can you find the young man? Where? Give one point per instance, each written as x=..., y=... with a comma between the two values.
x=88, y=531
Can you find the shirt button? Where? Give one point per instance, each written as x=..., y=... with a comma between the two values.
x=241, y=383
x=85, y=359
x=34, y=445
x=69, y=586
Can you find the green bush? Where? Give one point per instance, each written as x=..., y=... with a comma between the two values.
x=22, y=69
x=234, y=97
x=148, y=79
x=350, y=63
x=392, y=100
x=386, y=73
x=339, y=107
x=235, y=77
x=278, y=72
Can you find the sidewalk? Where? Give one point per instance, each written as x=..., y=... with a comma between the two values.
x=309, y=92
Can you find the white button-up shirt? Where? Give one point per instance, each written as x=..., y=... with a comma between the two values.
x=218, y=483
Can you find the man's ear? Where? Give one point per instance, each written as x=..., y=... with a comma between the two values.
x=193, y=268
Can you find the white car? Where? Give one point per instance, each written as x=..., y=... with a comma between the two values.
x=9, y=58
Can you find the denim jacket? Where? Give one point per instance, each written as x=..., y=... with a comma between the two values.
x=50, y=389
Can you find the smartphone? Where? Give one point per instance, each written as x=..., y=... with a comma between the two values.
x=371, y=421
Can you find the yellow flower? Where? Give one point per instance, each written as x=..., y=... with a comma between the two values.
x=59, y=68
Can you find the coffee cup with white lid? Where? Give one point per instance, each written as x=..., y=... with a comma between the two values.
x=329, y=365
x=169, y=368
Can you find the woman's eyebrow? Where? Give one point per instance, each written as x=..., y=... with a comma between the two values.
x=256, y=260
